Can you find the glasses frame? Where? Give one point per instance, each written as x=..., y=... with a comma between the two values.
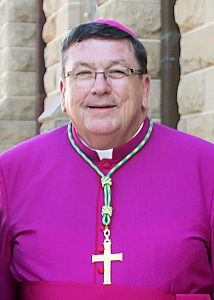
x=107, y=73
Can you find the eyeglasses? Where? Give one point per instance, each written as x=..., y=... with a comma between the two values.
x=115, y=73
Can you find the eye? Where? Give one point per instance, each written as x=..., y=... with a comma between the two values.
x=83, y=74
x=118, y=73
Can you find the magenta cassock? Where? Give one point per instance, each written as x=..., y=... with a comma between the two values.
x=77, y=291
x=50, y=221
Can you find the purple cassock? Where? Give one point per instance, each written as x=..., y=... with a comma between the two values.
x=162, y=222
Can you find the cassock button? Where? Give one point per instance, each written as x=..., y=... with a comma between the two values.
x=101, y=270
x=102, y=227
x=107, y=165
x=101, y=249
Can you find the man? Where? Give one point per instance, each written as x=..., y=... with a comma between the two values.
x=118, y=207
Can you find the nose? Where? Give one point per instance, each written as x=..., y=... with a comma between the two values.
x=100, y=85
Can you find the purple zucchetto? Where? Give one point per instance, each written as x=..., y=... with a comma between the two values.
x=116, y=24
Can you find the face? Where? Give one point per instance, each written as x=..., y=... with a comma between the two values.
x=106, y=109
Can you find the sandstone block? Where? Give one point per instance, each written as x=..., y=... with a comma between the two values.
x=191, y=94
x=2, y=40
x=17, y=108
x=51, y=6
x=142, y=17
x=196, y=92
x=52, y=104
x=61, y=121
x=47, y=125
x=189, y=14
x=209, y=89
x=52, y=110
x=19, y=84
x=22, y=11
x=52, y=52
x=87, y=10
x=100, y=2
x=154, y=99
x=58, y=75
x=16, y=131
x=1, y=61
x=2, y=89
x=201, y=125
x=153, y=52
x=50, y=124
x=19, y=59
x=195, y=50
x=20, y=34
x=67, y=17
x=181, y=126
x=49, y=29
x=2, y=13
x=51, y=79
x=209, y=11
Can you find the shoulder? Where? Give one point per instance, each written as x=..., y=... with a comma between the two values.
x=182, y=142
x=182, y=151
x=189, y=158
x=37, y=147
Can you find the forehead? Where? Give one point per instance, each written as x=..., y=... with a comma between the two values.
x=100, y=52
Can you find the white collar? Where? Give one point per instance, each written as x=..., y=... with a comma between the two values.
x=107, y=154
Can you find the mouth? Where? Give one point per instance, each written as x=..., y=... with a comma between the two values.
x=103, y=107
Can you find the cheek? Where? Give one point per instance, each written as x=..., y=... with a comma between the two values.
x=136, y=95
x=121, y=95
x=76, y=103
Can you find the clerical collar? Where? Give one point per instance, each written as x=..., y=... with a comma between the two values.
x=108, y=153
x=119, y=152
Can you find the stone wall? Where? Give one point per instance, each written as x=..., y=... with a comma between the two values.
x=17, y=71
x=61, y=15
x=142, y=16
x=196, y=89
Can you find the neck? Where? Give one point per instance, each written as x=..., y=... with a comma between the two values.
x=105, y=141
x=108, y=152
x=103, y=144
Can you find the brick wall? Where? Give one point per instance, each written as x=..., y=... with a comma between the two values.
x=196, y=89
x=17, y=71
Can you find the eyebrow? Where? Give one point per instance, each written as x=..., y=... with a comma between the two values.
x=109, y=63
x=82, y=63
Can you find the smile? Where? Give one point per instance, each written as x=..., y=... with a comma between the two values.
x=102, y=107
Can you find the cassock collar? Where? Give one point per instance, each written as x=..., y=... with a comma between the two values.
x=118, y=152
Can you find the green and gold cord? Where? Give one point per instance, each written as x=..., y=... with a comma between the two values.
x=106, y=181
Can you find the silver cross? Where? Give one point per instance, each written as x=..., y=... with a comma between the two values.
x=107, y=257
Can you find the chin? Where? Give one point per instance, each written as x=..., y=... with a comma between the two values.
x=102, y=131
x=102, y=128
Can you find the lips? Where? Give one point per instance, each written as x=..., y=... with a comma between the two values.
x=103, y=106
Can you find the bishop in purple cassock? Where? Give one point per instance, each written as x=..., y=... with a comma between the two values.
x=68, y=229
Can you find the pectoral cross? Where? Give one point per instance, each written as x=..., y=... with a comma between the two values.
x=107, y=257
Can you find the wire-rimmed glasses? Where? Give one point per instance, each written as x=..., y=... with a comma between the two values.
x=88, y=76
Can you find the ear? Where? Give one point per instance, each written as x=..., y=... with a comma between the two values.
x=62, y=92
x=146, y=82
